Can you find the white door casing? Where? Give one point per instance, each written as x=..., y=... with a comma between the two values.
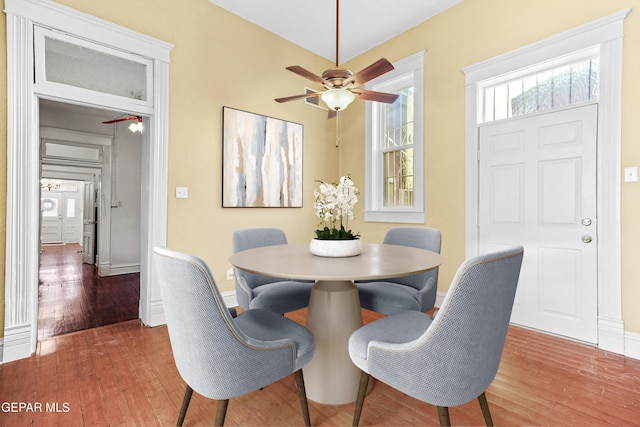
x=89, y=223
x=605, y=34
x=537, y=188
x=23, y=200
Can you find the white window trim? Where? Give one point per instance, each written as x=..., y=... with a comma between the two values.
x=374, y=211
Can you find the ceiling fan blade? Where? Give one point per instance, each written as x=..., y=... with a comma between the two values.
x=331, y=114
x=294, y=97
x=371, y=95
x=306, y=74
x=378, y=68
x=123, y=119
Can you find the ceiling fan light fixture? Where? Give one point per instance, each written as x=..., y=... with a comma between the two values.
x=136, y=126
x=337, y=99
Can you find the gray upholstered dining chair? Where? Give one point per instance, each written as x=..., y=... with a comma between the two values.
x=453, y=358
x=416, y=292
x=220, y=356
x=258, y=291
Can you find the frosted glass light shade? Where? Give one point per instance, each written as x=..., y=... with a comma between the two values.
x=337, y=99
x=136, y=127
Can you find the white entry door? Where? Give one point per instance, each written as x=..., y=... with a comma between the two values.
x=537, y=188
x=51, y=211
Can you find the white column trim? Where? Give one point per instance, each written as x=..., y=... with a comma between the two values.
x=155, y=202
x=607, y=34
x=22, y=197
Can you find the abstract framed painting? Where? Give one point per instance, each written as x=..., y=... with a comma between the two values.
x=262, y=161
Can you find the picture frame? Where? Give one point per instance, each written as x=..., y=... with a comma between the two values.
x=262, y=161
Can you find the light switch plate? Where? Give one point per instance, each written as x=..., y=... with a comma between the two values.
x=631, y=174
x=182, y=192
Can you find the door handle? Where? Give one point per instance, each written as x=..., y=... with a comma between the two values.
x=586, y=239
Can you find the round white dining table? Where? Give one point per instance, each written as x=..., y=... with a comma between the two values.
x=334, y=308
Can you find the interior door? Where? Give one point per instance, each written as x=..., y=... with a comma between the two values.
x=70, y=222
x=537, y=187
x=89, y=224
x=51, y=211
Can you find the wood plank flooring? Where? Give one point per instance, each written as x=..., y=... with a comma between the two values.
x=72, y=297
x=124, y=375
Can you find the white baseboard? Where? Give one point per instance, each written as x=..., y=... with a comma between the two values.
x=156, y=314
x=230, y=299
x=124, y=269
x=439, y=298
x=107, y=269
x=632, y=345
x=16, y=343
x=611, y=335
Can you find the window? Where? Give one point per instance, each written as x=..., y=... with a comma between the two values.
x=394, y=190
x=65, y=64
x=559, y=83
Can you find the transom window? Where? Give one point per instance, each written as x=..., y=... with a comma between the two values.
x=394, y=190
x=552, y=87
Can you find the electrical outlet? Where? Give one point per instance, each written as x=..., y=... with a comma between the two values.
x=230, y=274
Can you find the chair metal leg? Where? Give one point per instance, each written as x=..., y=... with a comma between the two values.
x=185, y=404
x=221, y=413
x=485, y=409
x=302, y=396
x=443, y=414
x=362, y=393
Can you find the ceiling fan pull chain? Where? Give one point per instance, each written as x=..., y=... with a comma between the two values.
x=337, y=128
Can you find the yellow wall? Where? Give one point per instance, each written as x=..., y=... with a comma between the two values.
x=220, y=59
x=473, y=31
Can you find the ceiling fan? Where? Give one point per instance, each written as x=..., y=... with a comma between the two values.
x=136, y=126
x=343, y=86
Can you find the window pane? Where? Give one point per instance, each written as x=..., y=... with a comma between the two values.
x=562, y=86
x=501, y=96
x=593, y=78
x=78, y=66
x=71, y=208
x=49, y=207
x=580, y=82
x=398, y=120
x=398, y=178
x=542, y=90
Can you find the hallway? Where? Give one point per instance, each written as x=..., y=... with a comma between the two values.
x=71, y=296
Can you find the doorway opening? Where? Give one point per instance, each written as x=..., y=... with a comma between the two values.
x=90, y=213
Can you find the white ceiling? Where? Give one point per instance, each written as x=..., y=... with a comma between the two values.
x=364, y=24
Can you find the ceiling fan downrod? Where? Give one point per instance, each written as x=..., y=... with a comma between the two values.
x=337, y=30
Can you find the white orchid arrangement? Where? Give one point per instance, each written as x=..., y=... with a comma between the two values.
x=334, y=206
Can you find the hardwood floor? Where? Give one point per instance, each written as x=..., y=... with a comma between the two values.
x=72, y=297
x=124, y=374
